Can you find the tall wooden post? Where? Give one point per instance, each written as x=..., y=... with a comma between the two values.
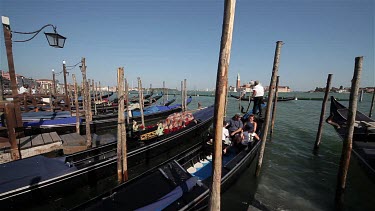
x=89, y=98
x=51, y=101
x=67, y=100
x=163, y=92
x=185, y=96
x=226, y=102
x=239, y=99
x=140, y=94
x=11, y=125
x=25, y=102
x=274, y=105
x=96, y=93
x=347, y=144
x=361, y=95
x=94, y=97
x=127, y=102
x=323, y=111
x=220, y=95
x=269, y=104
x=122, y=169
x=100, y=92
x=182, y=96
x=1, y=86
x=54, y=82
x=12, y=72
x=76, y=104
x=372, y=102
x=87, y=107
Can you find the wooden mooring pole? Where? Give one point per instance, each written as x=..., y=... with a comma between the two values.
x=100, y=92
x=271, y=92
x=163, y=92
x=361, y=95
x=182, y=96
x=12, y=71
x=10, y=117
x=185, y=95
x=372, y=103
x=140, y=94
x=50, y=98
x=122, y=169
x=76, y=104
x=226, y=102
x=127, y=102
x=274, y=106
x=89, y=98
x=220, y=96
x=86, y=100
x=347, y=144
x=323, y=111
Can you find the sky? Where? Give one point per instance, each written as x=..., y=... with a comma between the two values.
x=173, y=40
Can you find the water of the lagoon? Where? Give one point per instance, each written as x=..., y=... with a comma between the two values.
x=292, y=178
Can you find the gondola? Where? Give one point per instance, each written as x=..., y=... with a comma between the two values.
x=136, y=98
x=182, y=184
x=147, y=102
x=80, y=98
x=279, y=99
x=51, y=121
x=35, y=180
x=363, y=136
x=169, y=102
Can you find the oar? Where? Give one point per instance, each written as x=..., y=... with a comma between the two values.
x=248, y=106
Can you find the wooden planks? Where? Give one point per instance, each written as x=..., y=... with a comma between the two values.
x=38, y=140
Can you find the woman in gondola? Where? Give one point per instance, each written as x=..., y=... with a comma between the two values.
x=249, y=131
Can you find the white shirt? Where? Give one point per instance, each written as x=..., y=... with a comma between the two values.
x=22, y=90
x=225, y=133
x=259, y=90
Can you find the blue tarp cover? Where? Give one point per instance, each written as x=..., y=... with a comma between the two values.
x=172, y=196
x=30, y=171
x=46, y=122
x=33, y=116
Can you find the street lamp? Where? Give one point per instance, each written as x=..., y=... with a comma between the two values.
x=54, y=40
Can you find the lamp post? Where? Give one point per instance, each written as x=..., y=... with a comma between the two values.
x=1, y=88
x=67, y=100
x=12, y=73
x=53, y=82
x=54, y=40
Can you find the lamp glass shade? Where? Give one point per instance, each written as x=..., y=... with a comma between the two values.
x=55, y=40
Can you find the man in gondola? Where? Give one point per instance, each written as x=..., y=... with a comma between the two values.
x=258, y=93
x=235, y=129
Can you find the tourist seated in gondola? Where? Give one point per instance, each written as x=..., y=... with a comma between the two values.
x=249, y=131
x=235, y=126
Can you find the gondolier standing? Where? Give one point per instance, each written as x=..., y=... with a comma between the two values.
x=258, y=92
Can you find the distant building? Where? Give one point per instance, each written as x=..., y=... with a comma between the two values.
x=280, y=89
x=44, y=83
x=238, y=84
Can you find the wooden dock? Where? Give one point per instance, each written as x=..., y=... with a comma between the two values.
x=49, y=142
x=32, y=145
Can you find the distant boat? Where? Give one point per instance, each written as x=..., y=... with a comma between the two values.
x=246, y=98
